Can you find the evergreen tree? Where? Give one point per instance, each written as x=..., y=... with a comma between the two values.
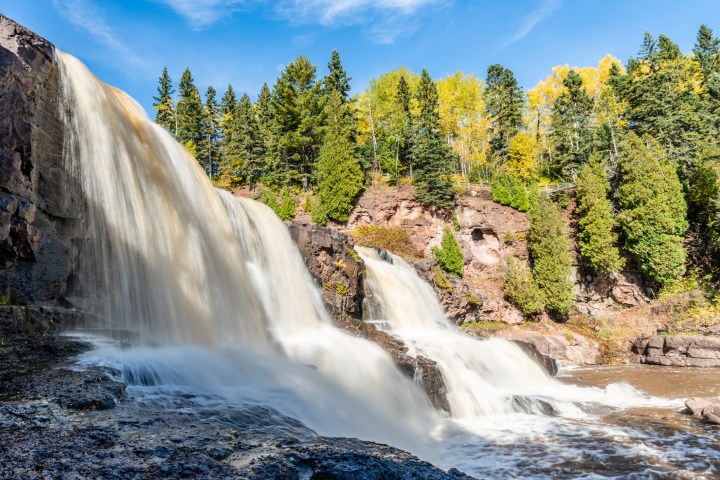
x=244, y=159
x=296, y=123
x=570, y=128
x=520, y=288
x=704, y=213
x=165, y=113
x=403, y=133
x=339, y=176
x=337, y=79
x=208, y=149
x=449, y=256
x=652, y=210
x=550, y=249
x=189, y=113
x=263, y=110
x=707, y=51
x=227, y=114
x=432, y=156
x=504, y=102
x=597, y=239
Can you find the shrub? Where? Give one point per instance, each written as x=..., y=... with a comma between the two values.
x=652, y=210
x=520, y=287
x=510, y=191
x=285, y=208
x=393, y=239
x=597, y=239
x=550, y=249
x=449, y=256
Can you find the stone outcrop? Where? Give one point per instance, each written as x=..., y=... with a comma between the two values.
x=39, y=200
x=555, y=349
x=335, y=266
x=461, y=303
x=704, y=409
x=678, y=351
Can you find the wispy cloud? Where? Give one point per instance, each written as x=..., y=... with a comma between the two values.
x=543, y=11
x=203, y=13
x=84, y=14
x=385, y=20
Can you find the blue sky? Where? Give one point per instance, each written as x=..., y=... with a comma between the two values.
x=247, y=42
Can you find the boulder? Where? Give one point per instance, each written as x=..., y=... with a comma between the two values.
x=460, y=302
x=678, y=350
x=704, y=409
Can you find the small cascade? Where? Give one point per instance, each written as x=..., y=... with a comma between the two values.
x=483, y=377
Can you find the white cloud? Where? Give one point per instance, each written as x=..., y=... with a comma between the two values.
x=202, y=13
x=386, y=20
x=544, y=10
x=84, y=15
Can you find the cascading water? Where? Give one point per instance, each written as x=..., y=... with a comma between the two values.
x=215, y=283
x=487, y=377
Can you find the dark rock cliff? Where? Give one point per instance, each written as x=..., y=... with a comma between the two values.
x=39, y=200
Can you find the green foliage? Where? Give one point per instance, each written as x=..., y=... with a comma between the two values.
x=440, y=280
x=339, y=176
x=285, y=208
x=431, y=153
x=597, y=239
x=189, y=112
x=455, y=221
x=163, y=104
x=449, y=256
x=550, y=249
x=509, y=237
x=504, y=100
x=520, y=287
x=510, y=190
x=393, y=239
x=704, y=212
x=652, y=210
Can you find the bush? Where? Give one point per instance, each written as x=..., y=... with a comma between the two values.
x=449, y=256
x=285, y=209
x=550, y=249
x=393, y=239
x=652, y=210
x=510, y=191
x=520, y=287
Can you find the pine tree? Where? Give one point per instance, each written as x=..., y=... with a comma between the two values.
x=704, y=213
x=570, y=128
x=189, y=112
x=247, y=141
x=504, y=102
x=208, y=148
x=165, y=116
x=707, y=51
x=597, y=239
x=431, y=154
x=337, y=79
x=550, y=249
x=449, y=256
x=652, y=210
x=339, y=176
x=227, y=114
x=263, y=109
x=520, y=288
x=403, y=133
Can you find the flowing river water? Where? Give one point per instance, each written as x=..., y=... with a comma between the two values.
x=222, y=309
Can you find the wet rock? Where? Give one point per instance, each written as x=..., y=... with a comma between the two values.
x=335, y=267
x=460, y=303
x=531, y=349
x=678, y=351
x=704, y=409
x=39, y=199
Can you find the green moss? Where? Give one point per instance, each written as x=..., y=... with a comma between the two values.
x=472, y=299
x=441, y=280
x=393, y=239
x=353, y=254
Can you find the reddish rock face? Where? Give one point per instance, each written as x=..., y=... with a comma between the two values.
x=678, y=351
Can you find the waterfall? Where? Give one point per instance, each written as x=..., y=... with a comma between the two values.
x=483, y=377
x=209, y=289
x=161, y=256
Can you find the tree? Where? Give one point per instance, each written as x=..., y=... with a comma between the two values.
x=652, y=209
x=520, y=288
x=263, y=110
x=165, y=114
x=337, y=79
x=244, y=153
x=504, y=102
x=227, y=113
x=521, y=157
x=431, y=154
x=707, y=51
x=339, y=176
x=208, y=151
x=295, y=127
x=461, y=115
x=189, y=112
x=550, y=250
x=704, y=213
x=570, y=127
x=449, y=256
x=597, y=239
